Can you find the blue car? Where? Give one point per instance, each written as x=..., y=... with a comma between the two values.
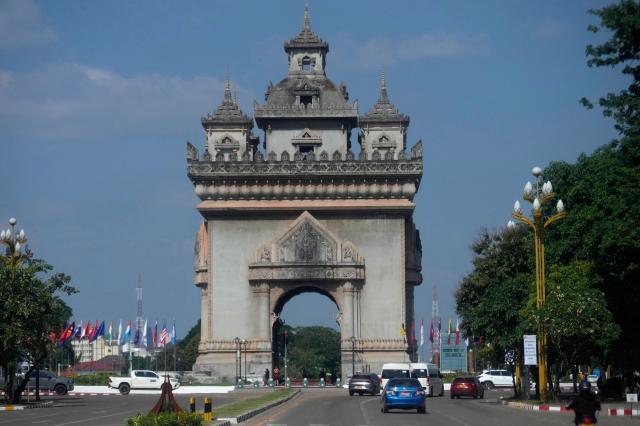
x=403, y=393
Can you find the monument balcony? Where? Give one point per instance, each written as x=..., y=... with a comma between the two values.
x=296, y=110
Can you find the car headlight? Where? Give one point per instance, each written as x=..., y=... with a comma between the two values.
x=420, y=393
x=390, y=393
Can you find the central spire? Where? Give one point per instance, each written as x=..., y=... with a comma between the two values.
x=306, y=26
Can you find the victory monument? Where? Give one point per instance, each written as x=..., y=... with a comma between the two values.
x=299, y=212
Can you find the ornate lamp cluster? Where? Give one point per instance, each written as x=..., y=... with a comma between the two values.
x=538, y=198
x=14, y=242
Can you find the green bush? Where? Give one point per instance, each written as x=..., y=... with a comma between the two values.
x=166, y=419
x=90, y=379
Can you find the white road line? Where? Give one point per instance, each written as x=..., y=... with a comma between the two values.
x=362, y=410
x=96, y=418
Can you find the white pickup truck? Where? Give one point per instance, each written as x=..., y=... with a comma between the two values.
x=140, y=379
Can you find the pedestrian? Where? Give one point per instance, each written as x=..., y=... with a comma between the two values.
x=322, y=375
x=266, y=377
x=276, y=375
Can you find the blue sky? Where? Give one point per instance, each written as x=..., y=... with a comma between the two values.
x=97, y=100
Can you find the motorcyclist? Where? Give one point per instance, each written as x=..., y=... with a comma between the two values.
x=585, y=404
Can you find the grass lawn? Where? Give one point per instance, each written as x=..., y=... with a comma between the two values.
x=237, y=408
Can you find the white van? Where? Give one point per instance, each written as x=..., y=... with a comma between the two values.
x=392, y=370
x=429, y=377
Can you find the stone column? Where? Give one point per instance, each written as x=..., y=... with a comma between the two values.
x=347, y=307
x=263, y=315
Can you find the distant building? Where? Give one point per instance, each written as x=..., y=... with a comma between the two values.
x=95, y=351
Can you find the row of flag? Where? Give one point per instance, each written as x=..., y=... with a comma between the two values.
x=71, y=331
x=435, y=332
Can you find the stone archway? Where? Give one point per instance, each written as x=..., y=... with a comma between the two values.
x=308, y=256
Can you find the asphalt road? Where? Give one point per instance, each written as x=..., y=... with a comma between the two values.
x=335, y=407
x=328, y=406
x=106, y=410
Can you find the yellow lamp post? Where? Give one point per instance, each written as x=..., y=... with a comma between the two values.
x=538, y=223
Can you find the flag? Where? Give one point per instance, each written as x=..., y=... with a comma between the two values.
x=403, y=332
x=76, y=332
x=100, y=331
x=86, y=331
x=127, y=333
x=173, y=334
x=421, y=332
x=163, y=335
x=110, y=332
x=457, y=333
x=440, y=331
x=449, y=336
x=66, y=334
x=431, y=332
x=120, y=333
x=94, y=332
x=155, y=335
x=136, y=339
x=144, y=334
x=81, y=335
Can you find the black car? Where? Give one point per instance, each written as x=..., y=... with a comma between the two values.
x=364, y=383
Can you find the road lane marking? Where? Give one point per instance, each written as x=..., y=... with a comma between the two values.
x=363, y=412
x=96, y=418
x=448, y=416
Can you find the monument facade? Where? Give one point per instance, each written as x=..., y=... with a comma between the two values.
x=299, y=211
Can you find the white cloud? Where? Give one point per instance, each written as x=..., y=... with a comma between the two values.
x=75, y=101
x=385, y=51
x=550, y=29
x=21, y=25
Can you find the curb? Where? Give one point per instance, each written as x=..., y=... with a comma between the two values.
x=623, y=412
x=26, y=407
x=534, y=407
x=549, y=408
x=246, y=416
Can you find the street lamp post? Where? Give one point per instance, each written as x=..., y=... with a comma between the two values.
x=238, y=364
x=286, y=371
x=353, y=355
x=538, y=223
x=244, y=344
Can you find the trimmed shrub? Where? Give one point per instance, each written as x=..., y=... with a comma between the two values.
x=167, y=419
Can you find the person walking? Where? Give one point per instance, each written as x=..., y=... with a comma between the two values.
x=266, y=376
x=276, y=375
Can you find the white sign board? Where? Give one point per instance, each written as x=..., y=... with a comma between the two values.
x=632, y=397
x=530, y=355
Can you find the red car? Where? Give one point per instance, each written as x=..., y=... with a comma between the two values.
x=467, y=386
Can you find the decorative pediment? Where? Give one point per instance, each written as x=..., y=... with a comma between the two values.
x=307, y=250
x=384, y=141
x=226, y=142
x=307, y=137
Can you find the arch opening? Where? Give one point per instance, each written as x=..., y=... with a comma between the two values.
x=306, y=335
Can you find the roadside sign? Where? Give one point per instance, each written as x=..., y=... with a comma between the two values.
x=530, y=357
x=632, y=397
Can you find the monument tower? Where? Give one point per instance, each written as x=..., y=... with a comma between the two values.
x=299, y=211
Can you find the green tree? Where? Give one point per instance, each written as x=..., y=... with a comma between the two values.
x=498, y=287
x=31, y=310
x=623, y=48
x=575, y=316
x=312, y=349
x=185, y=353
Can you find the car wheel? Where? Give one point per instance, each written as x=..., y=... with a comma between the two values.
x=360, y=393
x=488, y=385
x=475, y=396
x=452, y=396
x=350, y=393
x=60, y=389
x=458, y=396
x=124, y=389
x=441, y=391
x=422, y=410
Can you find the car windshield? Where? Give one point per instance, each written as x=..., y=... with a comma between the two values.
x=409, y=383
x=360, y=377
x=389, y=374
x=418, y=374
